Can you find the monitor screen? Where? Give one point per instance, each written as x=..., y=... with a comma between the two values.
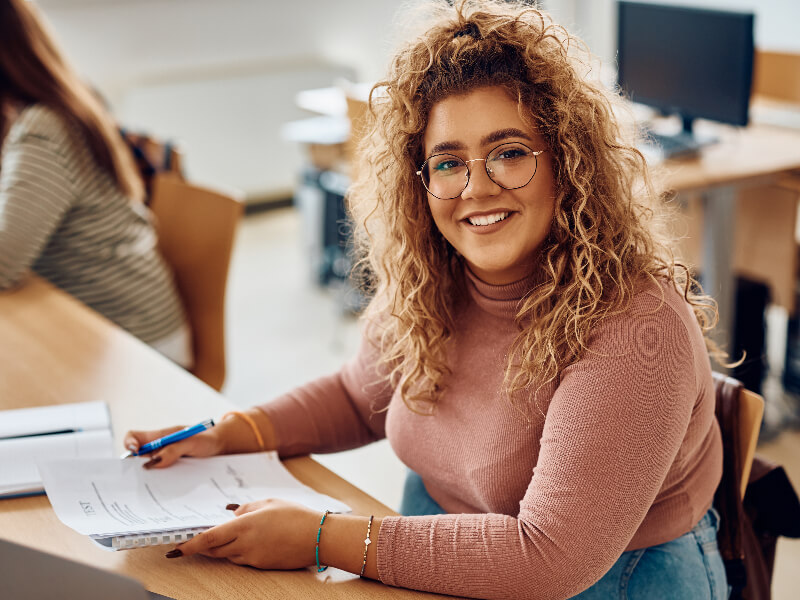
x=697, y=63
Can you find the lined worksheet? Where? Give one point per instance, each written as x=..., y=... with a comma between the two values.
x=116, y=497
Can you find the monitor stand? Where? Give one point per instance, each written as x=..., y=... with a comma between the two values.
x=681, y=144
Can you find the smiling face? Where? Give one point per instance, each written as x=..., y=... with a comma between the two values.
x=498, y=231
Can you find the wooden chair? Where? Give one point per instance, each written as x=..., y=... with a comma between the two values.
x=747, y=409
x=751, y=411
x=739, y=413
x=196, y=228
x=776, y=76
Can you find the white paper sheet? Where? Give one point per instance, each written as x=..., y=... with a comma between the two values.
x=60, y=417
x=19, y=456
x=105, y=498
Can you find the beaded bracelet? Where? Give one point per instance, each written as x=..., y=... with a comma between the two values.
x=249, y=420
x=367, y=542
x=320, y=569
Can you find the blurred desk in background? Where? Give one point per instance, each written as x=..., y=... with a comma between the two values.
x=742, y=213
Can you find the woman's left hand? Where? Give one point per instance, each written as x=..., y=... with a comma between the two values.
x=268, y=534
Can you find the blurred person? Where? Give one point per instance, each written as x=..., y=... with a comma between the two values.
x=70, y=197
x=532, y=351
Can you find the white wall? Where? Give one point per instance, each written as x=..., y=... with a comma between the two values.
x=229, y=122
x=776, y=20
x=143, y=54
x=595, y=21
x=117, y=41
x=220, y=76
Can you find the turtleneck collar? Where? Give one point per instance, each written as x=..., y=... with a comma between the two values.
x=499, y=300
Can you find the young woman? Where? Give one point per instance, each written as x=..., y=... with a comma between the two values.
x=531, y=351
x=70, y=197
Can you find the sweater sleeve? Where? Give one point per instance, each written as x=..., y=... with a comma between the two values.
x=35, y=194
x=611, y=433
x=333, y=413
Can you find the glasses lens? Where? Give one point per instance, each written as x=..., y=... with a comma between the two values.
x=445, y=176
x=511, y=165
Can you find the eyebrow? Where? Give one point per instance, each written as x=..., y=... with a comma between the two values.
x=495, y=136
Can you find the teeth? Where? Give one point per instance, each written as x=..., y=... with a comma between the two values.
x=487, y=219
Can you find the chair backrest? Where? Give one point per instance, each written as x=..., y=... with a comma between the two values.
x=776, y=75
x=751, y=411
x=737, y=405
x=196, y=228
x=739, y=413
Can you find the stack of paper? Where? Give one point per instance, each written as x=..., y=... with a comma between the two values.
x=121, y=505
x=30, y=435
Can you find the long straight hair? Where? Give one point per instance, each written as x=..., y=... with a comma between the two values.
x=34, y=70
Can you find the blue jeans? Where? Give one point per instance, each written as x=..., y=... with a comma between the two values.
x=687, y=568
x=416, y=500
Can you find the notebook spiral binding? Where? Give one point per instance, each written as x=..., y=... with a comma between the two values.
x=140, y=540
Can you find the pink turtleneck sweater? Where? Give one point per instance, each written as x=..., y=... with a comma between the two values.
x=627, y=454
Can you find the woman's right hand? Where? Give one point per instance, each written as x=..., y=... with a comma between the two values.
x=206, y=443
x=230, y=435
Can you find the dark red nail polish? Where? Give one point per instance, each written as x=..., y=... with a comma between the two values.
x=152, y=462
x=174, y=553
x=232, y=507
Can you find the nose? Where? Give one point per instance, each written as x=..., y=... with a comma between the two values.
x=480, y=185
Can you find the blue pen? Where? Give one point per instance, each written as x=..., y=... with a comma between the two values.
x=171, y=438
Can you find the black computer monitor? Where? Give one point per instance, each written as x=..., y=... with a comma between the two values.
x=694, y=62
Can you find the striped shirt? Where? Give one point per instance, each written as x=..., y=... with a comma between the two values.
x=64, y=217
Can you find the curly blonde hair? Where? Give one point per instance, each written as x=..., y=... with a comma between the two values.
x=607, y=236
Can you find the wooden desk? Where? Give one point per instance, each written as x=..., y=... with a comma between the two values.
x=742, y=161
x=55, y=350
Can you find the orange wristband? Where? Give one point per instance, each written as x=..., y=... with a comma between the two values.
x=249, y=420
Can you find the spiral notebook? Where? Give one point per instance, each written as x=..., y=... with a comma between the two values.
x=121, y=505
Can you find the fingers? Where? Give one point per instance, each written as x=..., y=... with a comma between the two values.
x=168, y=455
x=154, y=460
x=212, y=542
x=251, y=506
x=225, y=551
x=135, y=439
x=276, y=536
x=202, y=444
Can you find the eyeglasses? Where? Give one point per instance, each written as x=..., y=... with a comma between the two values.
x=511, y=166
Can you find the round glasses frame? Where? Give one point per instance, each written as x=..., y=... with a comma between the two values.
x=534, y=153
